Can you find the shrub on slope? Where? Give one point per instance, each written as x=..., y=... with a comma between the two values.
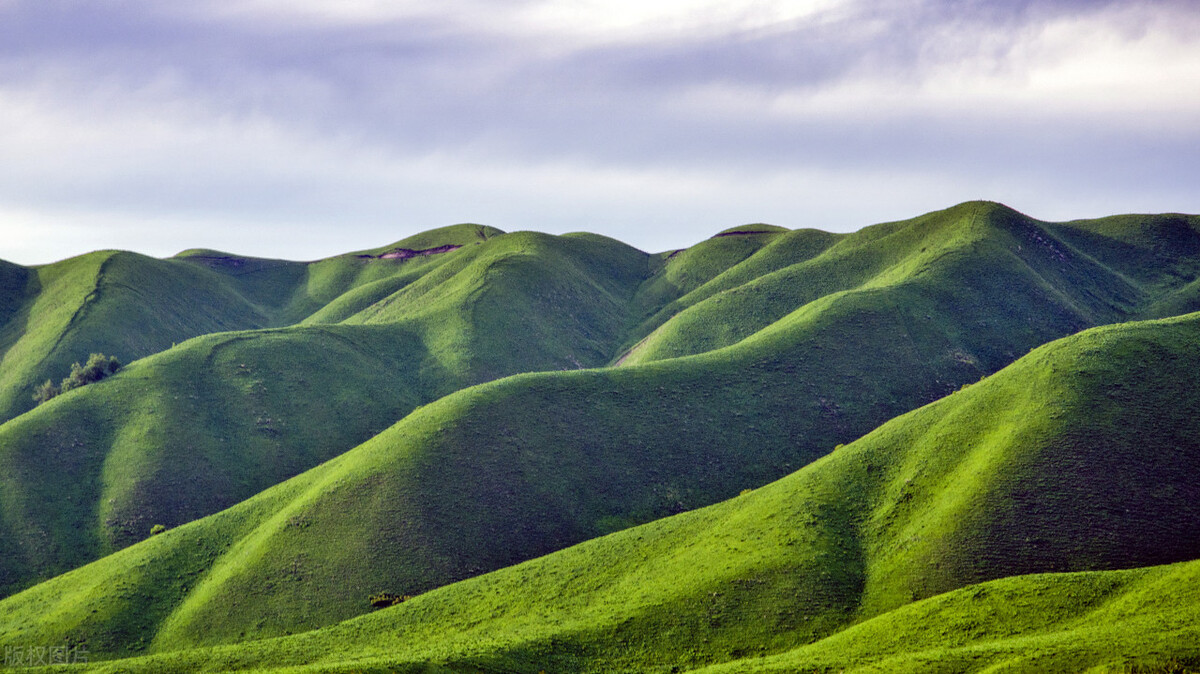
x=98, y=367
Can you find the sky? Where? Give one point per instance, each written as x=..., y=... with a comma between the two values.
x=306, y=128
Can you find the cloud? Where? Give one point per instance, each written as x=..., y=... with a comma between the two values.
x=363, y=116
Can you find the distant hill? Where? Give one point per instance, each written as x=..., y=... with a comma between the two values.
x=1015, y=524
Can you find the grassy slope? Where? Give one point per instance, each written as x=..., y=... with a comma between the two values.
x=1148, y=249
x=1144, y=620
x=520, y=467
x=1099, y=271
x=536, y=302
x=217, y=419
x=122, y=304
x=688, y=271
x=945, y=296
x=132, y=306
x=1077, y=458
x=297, y=291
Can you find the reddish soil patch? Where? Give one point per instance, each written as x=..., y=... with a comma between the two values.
x=217, y=260
x=745, y=232
x=406, y=253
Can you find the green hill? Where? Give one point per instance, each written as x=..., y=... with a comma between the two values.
x=742, y=359
x=1010, y=526
x=1077, y=274
x=208, y=423
x=123, y=304
x=133, y=306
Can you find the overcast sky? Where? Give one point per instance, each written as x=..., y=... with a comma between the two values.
x=306, y=128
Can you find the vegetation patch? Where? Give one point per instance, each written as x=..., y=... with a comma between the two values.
x=97, y=367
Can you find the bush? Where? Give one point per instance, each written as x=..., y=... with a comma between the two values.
x=157, y=529
x=385, y=599
x=98, y=367
x=45, y=391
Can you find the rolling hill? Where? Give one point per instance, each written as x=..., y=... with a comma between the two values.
x=1019, y=524
x=132, y=306
x=741, y=360
x=201, y=426
x=803, y=340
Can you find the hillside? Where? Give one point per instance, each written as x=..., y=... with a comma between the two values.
x=201, y=426
x=507, y=471
x=1013, y=524
x=829, y=336
x=962, y=259
x=132, y=306
x=124, y=304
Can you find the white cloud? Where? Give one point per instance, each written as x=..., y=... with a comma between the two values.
x=1072, y=68
x=609, y=19
x=324, y=11
x=568, y=19
x=158, y=176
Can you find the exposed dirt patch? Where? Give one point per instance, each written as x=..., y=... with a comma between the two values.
x=406, y=253
x=1037, y=239
x=745, y=232
x=218, y=260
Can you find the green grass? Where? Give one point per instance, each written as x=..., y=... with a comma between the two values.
x=123, y=304
x=133, y=306
x=743, y=359
x=201, y=426
x=980, y=249
x=987, y=530
x=1144, y=620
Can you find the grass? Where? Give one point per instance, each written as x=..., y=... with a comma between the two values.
x=116, y=303
x=134, y=306
x=828, y=569
x=743, y=359
x=201, y=426
x=975, y=250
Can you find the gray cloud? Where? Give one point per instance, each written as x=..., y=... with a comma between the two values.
x=136, y=109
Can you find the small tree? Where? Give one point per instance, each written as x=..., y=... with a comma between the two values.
x=385, y=599
x=45, y=391
x=73, y=380
x=98, y=367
